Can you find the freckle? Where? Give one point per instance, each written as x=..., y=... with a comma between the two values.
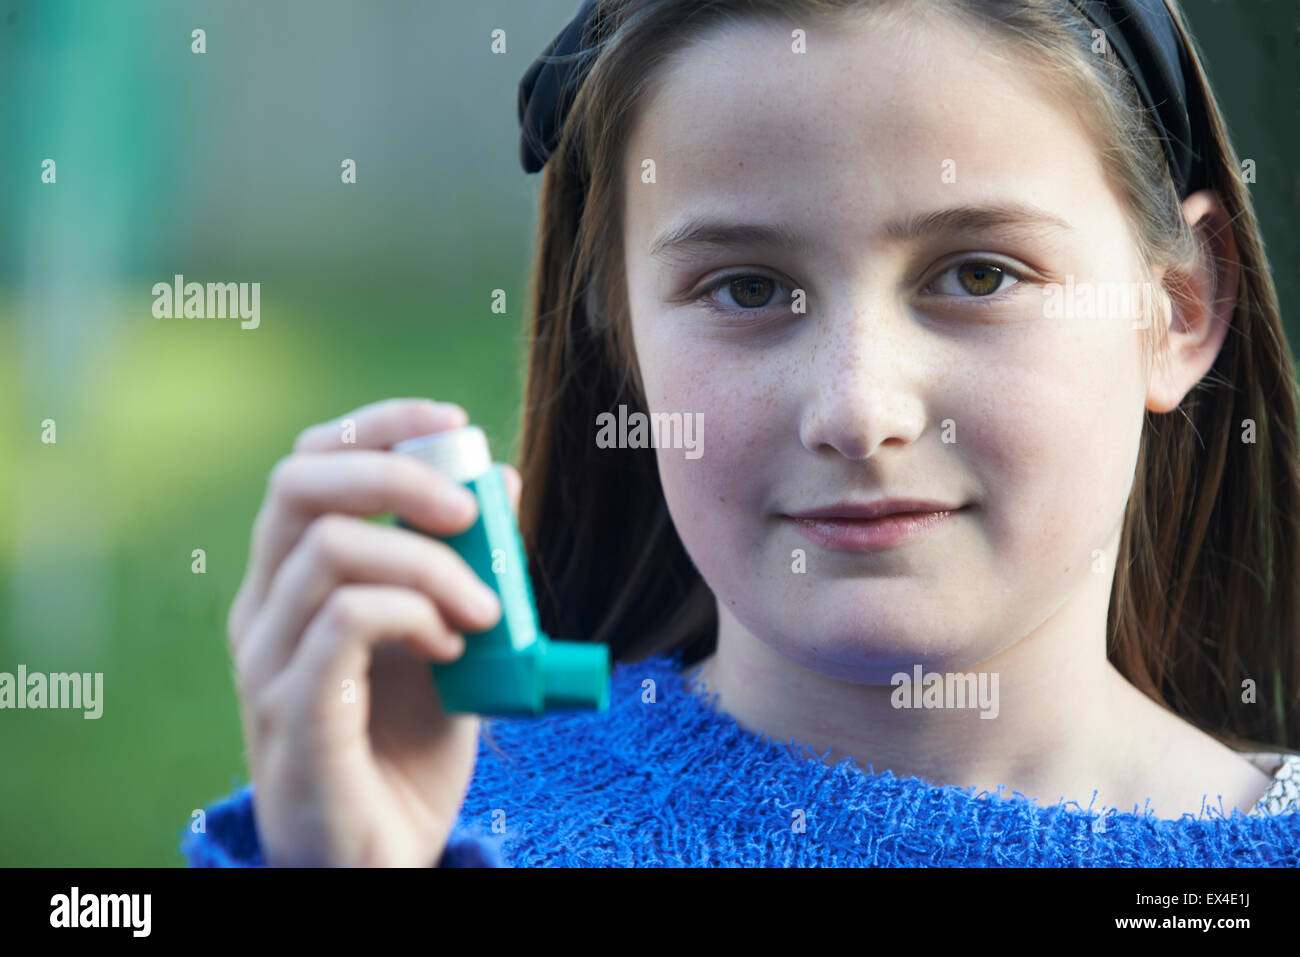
x=741, y=163
x=722, y=498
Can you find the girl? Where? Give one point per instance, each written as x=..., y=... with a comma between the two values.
x=871, y=248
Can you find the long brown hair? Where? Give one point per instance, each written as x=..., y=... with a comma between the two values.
x=1205, y=590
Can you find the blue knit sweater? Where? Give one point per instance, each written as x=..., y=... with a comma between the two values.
x=663, y=779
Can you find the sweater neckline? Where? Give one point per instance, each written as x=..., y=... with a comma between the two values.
x=747, y=746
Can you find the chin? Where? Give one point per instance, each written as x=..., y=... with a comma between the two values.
x=865, y=642
x=879, y=608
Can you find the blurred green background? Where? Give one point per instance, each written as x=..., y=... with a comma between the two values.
x=226, y=167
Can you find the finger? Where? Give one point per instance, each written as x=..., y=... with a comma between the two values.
x=340, y=640
x=305, y=486
x=381, y=425
x=513, y=485
x=338, y=550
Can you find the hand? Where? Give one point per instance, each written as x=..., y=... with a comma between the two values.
x=353, y=760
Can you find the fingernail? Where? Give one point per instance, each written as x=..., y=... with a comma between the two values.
x=486, y=602
x=466, y=505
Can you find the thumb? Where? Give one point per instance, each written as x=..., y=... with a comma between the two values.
x=513, y=485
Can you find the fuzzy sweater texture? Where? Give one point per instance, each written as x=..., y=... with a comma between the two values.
x=665, y=779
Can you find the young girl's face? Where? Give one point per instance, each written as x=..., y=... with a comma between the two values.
x=876, y=164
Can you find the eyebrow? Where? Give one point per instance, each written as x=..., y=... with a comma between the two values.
x=1016, y=217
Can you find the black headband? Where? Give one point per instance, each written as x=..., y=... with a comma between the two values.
x=1148, y=42
x=548, y=88
x=1142, y=33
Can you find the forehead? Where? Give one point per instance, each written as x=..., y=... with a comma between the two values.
x=856, y=132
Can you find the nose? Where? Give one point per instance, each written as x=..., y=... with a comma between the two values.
x=866, y=371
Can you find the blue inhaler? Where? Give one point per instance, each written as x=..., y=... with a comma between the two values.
x=512, y=669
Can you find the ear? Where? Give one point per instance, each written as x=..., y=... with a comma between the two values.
x=1202, y=300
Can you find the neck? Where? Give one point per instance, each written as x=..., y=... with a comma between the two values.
x=1066, y=721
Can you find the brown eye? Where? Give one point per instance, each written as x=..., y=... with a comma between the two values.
x=979, y=279
x=746, y=295
x=751, y=292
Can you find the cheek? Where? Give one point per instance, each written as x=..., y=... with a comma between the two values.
x=1055, y=442
x=718, y=499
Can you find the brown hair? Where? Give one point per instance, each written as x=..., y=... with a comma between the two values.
x=1207, y=578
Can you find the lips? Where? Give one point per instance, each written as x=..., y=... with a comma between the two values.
x=878, y=509
x=857, y=527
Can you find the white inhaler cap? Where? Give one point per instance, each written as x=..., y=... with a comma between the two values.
x=461, y=454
